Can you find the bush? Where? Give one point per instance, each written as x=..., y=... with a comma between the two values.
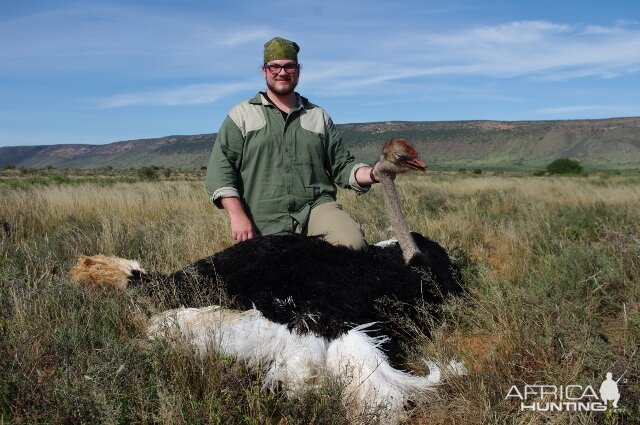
x=148, y=173
x=477, y=171
x=564, y=166
x=60, y=179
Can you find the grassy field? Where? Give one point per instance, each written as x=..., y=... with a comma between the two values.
x=552, y=296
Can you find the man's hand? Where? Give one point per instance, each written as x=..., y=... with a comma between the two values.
x=241, y=227
x=363, y=175
x=377, y=171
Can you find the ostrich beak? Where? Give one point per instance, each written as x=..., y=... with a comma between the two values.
x=413, y=163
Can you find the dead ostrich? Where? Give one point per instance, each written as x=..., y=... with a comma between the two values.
x=304, y=309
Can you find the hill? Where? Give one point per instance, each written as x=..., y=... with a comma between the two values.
x=171, y=151
x=598, y=144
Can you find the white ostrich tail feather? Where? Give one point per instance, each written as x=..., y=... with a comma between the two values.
x=434, y=375
x=377, y=341
x=286, y=357
x=457, y=368
x=438, y=373
x=370, y=379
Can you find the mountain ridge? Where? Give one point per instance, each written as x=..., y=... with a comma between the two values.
x=612, y=143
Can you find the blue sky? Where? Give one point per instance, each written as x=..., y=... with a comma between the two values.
x=103, y=71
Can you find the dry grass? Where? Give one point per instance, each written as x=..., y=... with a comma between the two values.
x=551, y=266
x=167, y=224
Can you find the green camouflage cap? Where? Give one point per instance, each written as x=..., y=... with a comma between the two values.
x=280, y=48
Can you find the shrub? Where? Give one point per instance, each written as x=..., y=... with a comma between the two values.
x=564, y=166
x=148, y=173
x=477, y=171
x=60, y=179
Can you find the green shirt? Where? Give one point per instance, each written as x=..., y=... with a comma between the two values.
x=279, y=168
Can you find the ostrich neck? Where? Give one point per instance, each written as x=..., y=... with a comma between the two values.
x=396, y=219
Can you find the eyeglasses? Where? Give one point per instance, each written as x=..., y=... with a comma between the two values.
x=275, y=69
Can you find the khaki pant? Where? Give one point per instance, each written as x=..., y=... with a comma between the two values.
x=338, y=228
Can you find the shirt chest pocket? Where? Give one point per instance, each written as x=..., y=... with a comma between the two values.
x=310, y=149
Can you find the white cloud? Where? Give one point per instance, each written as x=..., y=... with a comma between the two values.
x=165, y=45
x=162, y=41
x=123, y=37
x=188, y=95
x=540, y=51
x=571, y=109
x=511, y=33
x=523, y=48
x=238, y=38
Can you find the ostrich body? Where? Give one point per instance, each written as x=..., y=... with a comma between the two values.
x=303, y=308
x=312, y=286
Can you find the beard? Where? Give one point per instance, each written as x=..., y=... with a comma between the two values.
x=281, y=89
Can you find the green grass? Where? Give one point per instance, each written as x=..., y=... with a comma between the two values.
x=551, y=268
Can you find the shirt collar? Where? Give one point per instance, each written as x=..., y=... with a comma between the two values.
x=261, y=99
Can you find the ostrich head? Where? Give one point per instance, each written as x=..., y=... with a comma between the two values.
x=398, y=156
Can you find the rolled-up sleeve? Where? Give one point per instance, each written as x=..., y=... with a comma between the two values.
x=222, y=172
x=353, y=183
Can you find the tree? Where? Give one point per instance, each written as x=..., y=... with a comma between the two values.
x=564, y=166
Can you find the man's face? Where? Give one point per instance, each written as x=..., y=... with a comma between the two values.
x=285, y=80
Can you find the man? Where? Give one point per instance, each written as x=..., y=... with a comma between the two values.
x=278, y=159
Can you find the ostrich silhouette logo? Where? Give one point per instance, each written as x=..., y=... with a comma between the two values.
x=609, y=390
